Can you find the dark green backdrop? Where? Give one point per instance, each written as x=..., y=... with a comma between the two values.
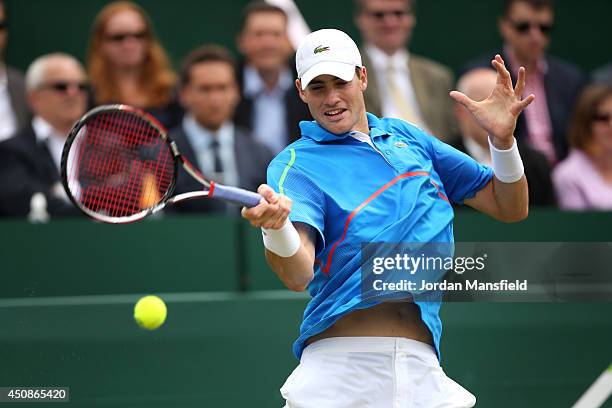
x=447, y=30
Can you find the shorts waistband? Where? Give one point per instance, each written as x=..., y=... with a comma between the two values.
x=372, y=344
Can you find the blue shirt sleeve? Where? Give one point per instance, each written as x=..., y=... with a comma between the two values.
x=308, y=200
x=461, y=175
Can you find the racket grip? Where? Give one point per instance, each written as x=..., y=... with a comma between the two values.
x=236, y=195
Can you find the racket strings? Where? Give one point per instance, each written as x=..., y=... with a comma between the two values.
x=120, y=165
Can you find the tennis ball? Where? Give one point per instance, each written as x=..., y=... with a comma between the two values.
x=150, y=312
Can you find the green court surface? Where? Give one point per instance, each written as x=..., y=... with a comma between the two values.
x=67, y=317
x=233, y=350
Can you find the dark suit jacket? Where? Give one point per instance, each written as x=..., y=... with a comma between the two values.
x=563, y=83
x=297, y=110
x=16, y=90
x=432, y=82
x=252, y=159
x=537, y=173
x=26, y=167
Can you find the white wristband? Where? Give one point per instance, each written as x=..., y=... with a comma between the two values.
x=283, y=242
x=507, y=164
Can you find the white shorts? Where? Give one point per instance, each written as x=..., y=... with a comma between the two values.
x=372, y=372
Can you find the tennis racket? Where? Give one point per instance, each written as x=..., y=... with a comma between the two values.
x=119, y=165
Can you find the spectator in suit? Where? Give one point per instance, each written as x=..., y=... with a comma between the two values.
x=208, y=137
x=584, y=179
x=127, y=63
x=270, y=106
x=30, y=162
x=14, y=112
x=478, y=85
x=525, y=27
x=400, y=83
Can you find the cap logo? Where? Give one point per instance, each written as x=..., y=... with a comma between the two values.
x=320, y=48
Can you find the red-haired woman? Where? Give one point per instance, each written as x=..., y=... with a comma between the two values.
x=127, y=64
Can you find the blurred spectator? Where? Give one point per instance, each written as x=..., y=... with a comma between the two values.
x=603, y=75
x=270, y=106
x=207, y=137
x=127, y=64
x=584, y=179
x=400, y=83
x=30, y=162
x=525, y=27
x=478, y=84
x=13, y=106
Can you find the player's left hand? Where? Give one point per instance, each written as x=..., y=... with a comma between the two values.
x=498, y=113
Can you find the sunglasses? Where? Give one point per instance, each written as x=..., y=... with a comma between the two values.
x=121, y=37
x=523, y=27
x=603, y=117
x=380, y=15
x=3, y=24
x=62, y=86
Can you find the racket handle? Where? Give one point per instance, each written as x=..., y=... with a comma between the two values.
x=236, y=195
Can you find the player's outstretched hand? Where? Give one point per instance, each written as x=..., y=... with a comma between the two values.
x=499, y=112
x=271, y=212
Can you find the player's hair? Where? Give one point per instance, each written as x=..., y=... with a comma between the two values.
x=157, y=78
x=536, y=4
x=580, y=133
x=359, y=6
x=259, y=7
x=35, y=74
x=204, y=54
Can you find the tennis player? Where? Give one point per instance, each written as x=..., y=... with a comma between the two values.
x=355, y=178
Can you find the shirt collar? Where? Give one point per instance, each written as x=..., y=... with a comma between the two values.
x=381, y=60
x=44, y=130
x=313, y=130
x=254, y=85
x=201, y=137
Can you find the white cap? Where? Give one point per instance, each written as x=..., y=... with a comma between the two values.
x=327, y=51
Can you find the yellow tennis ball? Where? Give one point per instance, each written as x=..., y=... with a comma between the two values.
x=150, y=312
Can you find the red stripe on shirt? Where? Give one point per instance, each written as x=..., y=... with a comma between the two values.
x=325, y=269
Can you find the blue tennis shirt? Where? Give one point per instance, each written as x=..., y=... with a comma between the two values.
x=351, y=193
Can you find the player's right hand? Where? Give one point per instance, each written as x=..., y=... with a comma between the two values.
x=271, y=212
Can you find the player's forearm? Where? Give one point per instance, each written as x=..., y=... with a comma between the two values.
x=295, y=271
x=510, y=191
x=512, y=200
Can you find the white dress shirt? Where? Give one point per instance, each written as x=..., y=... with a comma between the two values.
x=54, y=140
x=269, y=110
x=8, y=122
x=47, y=134
x=399, y=61
x=201, y=139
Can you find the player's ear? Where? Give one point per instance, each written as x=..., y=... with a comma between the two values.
x=363, y=78
x=298, y=85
